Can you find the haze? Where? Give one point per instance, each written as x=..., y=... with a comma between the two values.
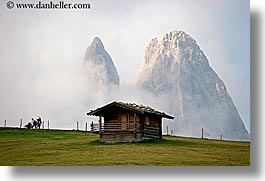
x=42, y=52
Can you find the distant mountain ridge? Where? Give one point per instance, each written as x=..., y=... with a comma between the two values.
x=98, y=65
x=176, y=67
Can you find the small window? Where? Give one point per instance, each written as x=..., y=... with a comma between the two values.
x=114, y=117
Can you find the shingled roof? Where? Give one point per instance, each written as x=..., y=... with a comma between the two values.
x=138, y=108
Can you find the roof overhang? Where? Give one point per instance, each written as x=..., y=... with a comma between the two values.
x=135, y=108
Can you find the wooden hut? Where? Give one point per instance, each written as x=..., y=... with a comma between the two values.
x=126, y=122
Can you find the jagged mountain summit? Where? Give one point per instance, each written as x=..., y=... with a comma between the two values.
x=98, y=65
x=177, y=68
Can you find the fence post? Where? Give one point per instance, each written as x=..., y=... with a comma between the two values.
x=77, y=125
x=167, y=130
x=42, y=124
x=100, y=120
x=20, y=125
x=134, y=122
x=202, y=133
x=221, y=137
x=48, y=124
x=171, y=132
x=86, y=126
x=5, y=123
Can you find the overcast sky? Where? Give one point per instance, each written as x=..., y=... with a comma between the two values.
x=41, y=50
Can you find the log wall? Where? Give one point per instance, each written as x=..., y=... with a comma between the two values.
x=117, y=136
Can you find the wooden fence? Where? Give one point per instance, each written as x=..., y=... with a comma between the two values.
x=147, y=131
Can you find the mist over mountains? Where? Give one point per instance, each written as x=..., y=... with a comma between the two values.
x=176, y=78
x=177, y=68
x=98, y=65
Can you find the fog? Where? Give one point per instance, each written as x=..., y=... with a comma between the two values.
x=42, y=52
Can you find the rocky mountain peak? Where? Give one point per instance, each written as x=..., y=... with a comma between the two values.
x=98, y=65
x=175, y=67
x=97, y=45
x=177, y=46
x=179, y=40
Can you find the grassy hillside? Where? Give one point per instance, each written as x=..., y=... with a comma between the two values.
x=54, y=147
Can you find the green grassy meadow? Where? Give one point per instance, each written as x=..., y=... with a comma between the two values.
x=67, y=148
